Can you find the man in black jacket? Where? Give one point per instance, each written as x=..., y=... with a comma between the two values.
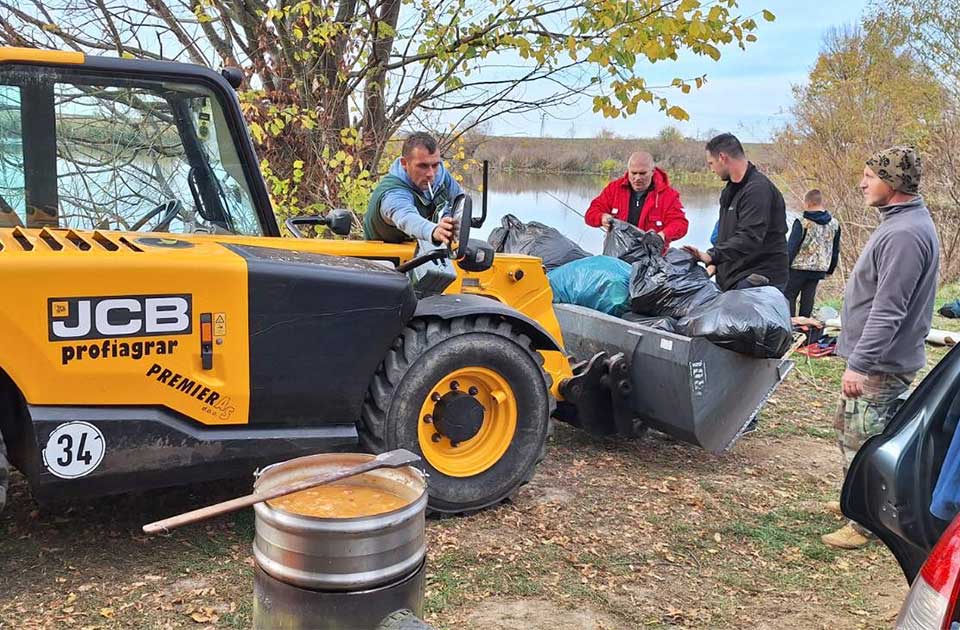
x=751, y=247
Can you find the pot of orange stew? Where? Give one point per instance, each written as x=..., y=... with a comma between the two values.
x=355, y=534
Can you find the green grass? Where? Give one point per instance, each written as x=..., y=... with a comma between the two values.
x=820, y=433
x=824, y=373
x=241, y=618
x=947, y=293
x=780, y=429
x=201, y=552
x=449, y=573
x=244, y=524
x=785, y=528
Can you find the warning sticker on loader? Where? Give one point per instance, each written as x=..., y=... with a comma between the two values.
x=73, y=450
x=219, y=324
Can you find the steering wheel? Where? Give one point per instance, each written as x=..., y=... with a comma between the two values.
x=168, y=211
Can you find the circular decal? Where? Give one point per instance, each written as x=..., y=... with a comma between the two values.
x=164, y=242
x=73, y=450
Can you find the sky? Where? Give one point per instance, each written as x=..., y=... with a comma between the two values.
x=747, y=92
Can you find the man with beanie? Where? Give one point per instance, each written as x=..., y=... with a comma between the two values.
x=887, y=309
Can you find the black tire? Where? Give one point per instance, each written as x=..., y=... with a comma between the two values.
x=427, y=351
x=4, y=474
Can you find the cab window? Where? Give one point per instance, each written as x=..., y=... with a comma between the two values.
x=134, y=155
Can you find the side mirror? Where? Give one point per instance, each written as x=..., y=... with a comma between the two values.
x=478, y=223
x=462, y=213
x=234, y=76
x=477, y=257
x=340, y=221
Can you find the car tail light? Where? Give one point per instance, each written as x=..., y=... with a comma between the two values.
x=931, y=600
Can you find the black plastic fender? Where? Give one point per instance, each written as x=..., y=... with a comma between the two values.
x=459, y=305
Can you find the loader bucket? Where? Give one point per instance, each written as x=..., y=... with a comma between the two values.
x=632, y=376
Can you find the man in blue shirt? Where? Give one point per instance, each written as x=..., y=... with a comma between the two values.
x=403, y=205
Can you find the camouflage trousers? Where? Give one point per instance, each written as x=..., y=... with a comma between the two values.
x=858, y=419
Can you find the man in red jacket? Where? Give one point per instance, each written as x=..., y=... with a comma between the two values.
x=642, y=197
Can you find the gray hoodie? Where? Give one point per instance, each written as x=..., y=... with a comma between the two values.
x=888, y=302
x=397, y=205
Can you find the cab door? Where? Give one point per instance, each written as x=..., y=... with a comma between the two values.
x=117, y=184
x=891, y=480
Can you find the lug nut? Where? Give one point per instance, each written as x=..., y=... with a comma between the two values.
x=436, y=437
x=454, y=385
x=428, y=418
x=435, y=397
x=454, y=444
x=473, y=391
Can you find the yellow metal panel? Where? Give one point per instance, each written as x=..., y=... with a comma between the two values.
x=35, y=55
x=122, y=369
x=520, y=282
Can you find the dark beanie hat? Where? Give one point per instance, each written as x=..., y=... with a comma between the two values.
x=899, y=167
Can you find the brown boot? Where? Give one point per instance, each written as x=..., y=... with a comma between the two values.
x=845, y=538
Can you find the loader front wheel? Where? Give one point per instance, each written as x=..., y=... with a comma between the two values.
x=471, y=397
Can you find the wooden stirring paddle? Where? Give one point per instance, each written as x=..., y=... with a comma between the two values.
x=390, y=459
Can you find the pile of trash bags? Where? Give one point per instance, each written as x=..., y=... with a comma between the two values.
x=638, y=279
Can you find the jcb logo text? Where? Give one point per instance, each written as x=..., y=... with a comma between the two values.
x=120, y=316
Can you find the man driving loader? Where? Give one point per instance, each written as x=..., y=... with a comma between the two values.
x=405, y=201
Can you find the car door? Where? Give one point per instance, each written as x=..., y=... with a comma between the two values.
x=890, y=482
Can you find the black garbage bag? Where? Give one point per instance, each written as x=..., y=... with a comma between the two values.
x=630, y=244
x=535, y=239
x=754, y=322
x=668, y=324
x=673, y=285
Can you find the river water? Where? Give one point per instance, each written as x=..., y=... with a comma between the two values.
x=561, y=200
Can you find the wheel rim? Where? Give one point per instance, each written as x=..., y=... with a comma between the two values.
x=493, y=437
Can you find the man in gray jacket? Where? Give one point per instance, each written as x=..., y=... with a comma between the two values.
x=887, y=309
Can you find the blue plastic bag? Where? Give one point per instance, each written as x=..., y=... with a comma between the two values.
x=598, y=282
x=951, y=310
x=945, y=502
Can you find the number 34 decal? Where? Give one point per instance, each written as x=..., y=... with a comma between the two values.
x=73, y=450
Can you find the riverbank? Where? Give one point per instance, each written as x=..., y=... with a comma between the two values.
x=682, y=158
x=699, y=179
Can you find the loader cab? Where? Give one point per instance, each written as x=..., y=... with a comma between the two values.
x=124, y=145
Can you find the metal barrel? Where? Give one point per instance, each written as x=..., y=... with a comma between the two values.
x=394, y=606
x=341, y=554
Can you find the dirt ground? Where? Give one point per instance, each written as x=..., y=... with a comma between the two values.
x=648, y=533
